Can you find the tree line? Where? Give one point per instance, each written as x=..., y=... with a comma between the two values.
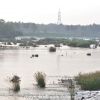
x=13, y=29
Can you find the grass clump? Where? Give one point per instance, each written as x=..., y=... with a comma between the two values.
x=40, y=79
x=15, y=80
x=89, y=81
x=52, y=49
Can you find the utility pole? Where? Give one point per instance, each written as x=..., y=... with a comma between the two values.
x=59, y=17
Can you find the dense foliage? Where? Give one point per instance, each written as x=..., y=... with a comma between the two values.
x=89, y=81
x=80, y=43
x=69, y=42
x=7, y=30
x=13, y=29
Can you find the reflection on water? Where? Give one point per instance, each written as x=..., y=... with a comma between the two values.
x=65, y=61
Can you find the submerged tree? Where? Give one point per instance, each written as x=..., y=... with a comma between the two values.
x=52, y=49
x=15, y=80
x=40, y=79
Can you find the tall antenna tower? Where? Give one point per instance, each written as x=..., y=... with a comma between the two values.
x=59, y=17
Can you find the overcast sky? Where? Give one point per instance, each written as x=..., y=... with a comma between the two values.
x=45, y=11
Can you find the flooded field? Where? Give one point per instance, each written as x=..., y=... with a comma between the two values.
x=65, y=61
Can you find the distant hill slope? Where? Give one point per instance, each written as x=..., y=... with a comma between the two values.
x=13, y=29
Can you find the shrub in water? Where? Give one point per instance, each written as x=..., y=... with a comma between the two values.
x=40, y=79
x=52, y=49
x=15, y=80
x=89, y=81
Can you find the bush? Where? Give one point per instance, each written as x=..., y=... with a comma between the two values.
x=40, y=79
x=16, y=83
x=52, y=49
x=89, y=81
x=80, y=43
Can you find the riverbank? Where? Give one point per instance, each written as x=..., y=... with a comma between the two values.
x=57, y=42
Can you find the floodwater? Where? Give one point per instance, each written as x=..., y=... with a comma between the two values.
x=65, y=61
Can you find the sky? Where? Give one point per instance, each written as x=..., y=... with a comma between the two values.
x=46, y=11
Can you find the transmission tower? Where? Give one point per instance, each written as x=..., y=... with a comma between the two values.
x=59, y=17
